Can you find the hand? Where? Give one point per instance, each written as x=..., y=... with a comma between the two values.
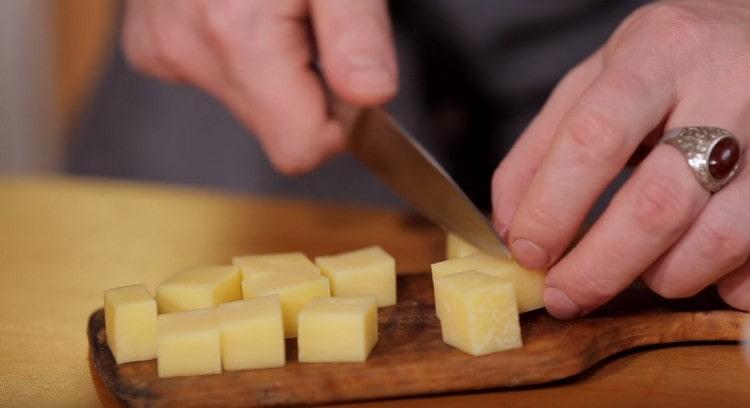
x=670, y=64
x=255, y=56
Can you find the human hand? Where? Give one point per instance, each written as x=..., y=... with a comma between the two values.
x=256, y=57
x=670, y=64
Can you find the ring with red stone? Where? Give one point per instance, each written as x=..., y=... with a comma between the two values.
x=712, y=153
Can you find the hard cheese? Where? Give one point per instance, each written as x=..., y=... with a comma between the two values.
x=130, y=322
x=294, y=291
x=251, y=333
x=528, y=284
x=456, y=247
x=339, y=329
x=284, y=262
x=199, y=287
x=478, y=312
x=367, y=271
x=188, y=343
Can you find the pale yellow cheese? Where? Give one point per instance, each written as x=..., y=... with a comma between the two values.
x=251, y=333
x=338, y=329
x=188, y=343
x=478, y=313
x=294, y=291
x=528, y=284
x=199, y=287
x=367, y=271
x=284, y=262
x=456, y=247
x=130, y=322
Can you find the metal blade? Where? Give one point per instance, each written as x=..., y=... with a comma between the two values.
x=404, y=165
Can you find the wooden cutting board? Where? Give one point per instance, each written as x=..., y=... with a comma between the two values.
x=411, y=359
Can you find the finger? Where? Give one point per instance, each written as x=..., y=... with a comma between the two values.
x=356, y=48
x=718, y=242
x=735, y=288
x=270, y=85
x=595, y=140
x=518, y=167
x=646, y=217
x=139, y=44
x=180, y=46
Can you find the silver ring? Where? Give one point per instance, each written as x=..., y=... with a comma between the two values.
x=712, y=153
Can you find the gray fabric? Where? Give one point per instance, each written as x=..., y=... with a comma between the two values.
x=473, y=74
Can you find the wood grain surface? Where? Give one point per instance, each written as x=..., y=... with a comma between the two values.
x=64, y=240
x=411, y=359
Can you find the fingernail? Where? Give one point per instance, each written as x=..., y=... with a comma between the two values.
x=559, y=304
x=529, y=254
x=369, y=75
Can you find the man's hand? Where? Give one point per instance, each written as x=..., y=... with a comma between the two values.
x=256, y=57
x=670, y=64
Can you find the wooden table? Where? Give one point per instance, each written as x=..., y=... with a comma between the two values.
x=64, y=240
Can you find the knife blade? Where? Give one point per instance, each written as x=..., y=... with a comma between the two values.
x=378, y=141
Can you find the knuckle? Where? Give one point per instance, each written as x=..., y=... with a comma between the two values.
x=217, y=19
x=172, y=47
x=134, y=53
x=509, y=171
x=228, y=29
x=661, y=207
x=145, y=59
x=135, y=49
x=633, y=82
x=597, y=140
x=677, y=27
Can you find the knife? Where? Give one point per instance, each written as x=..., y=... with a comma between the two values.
x=377, y=140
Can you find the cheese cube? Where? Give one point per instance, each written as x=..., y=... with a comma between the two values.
x=478, y=313
x=367, y=271
x=130, y=322
x=339, y=329
x=528, y=284
x=199, y=287
x=188, y=343
x=285, y=262
x=251, y=333
x=294, y=291
x=456, y=247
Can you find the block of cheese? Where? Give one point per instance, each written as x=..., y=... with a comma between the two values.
x=199, y=287
x=130, y=322
x=188, y=343
x=528, y=284
x=294, y=291
x=251, y=333
x=338, y=329
x=285, y=262
x=478, y=312
x=456, y=247
x=367, y=271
